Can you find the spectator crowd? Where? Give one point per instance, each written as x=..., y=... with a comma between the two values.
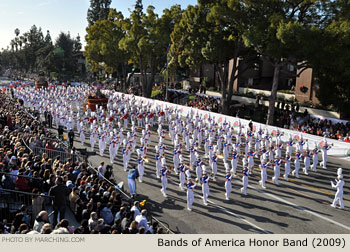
x=46, y=188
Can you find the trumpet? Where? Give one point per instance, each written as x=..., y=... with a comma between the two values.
x=221, y=156
x=142, y=203
x=145, y=159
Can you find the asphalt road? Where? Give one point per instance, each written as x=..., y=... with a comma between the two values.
x=297, y=206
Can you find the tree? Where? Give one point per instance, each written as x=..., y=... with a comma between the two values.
x=330, y=59
x=278, y=32
x=99, y=10
x=133, y=42
x=229, y=20
x=65, y=50
x=45, y=56
x=211, y=32
x=103, y=45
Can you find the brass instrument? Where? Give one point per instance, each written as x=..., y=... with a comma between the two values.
x=143, y=203
x=221, y=156
x=145, y=159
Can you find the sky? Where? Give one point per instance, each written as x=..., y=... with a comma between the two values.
x=61, y=15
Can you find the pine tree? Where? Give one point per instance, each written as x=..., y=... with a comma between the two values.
x=99, y=10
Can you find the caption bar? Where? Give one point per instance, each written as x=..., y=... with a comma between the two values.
x=253, y=242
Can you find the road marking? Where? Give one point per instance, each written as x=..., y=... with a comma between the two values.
x=238, y=217
x=227, y=211
x=299, y=207
x=315, y=189
x=302, y=208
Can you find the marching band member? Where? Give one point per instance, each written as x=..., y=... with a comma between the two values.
x=206, y=146
x=205, y=185
x=140, y=165
x=264, y=154
x=271, y=150
x=297, y=159
x=290, y=145
x=276, y=170
x=234, y=162
x=198, y=168
x=315, y=158
x=225, y=151
x=190, y=194
x=82, y=136
x=324, y=149
x=228, y=178
x=158, y=164
x=300, y=144
x=126, y=157
x=182, y=171
x=257, y=144
x=214, y=166
x=192, y=156
x=278, y=151
x=251, y=155
x=113, y=148
x=245, y=180
x=263, y=173
x=287, y=162
x=93, y=138
x=101, y=143
x=307, y=160
x=339, y=194
x=164, y=179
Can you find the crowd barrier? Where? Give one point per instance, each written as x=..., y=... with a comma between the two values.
x=339, y=149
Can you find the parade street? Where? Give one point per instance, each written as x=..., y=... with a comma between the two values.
x=297, y=206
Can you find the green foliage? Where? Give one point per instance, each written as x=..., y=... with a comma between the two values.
x=331, y=64
x=156, y=92
x=102, y=43
x=99, y=10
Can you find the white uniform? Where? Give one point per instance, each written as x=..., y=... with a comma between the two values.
x=324, y=156
x=205, y=188
x=228, y=185
x=158, y=165
x=297, y=165
x=276, y=170
x=315, y=159
x=244, y=182
x=287, y=167
x=339, y=194
x=307, y=162
x=263, y=173
x=190, y=194
x=182, y=178
x=234, y=163
x=102, y=144
x=82, y=137
x=126, y=158
x=140, y=168
x=164, y=179
x=113, y=149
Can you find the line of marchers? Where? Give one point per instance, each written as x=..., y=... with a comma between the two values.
x=253, y=242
